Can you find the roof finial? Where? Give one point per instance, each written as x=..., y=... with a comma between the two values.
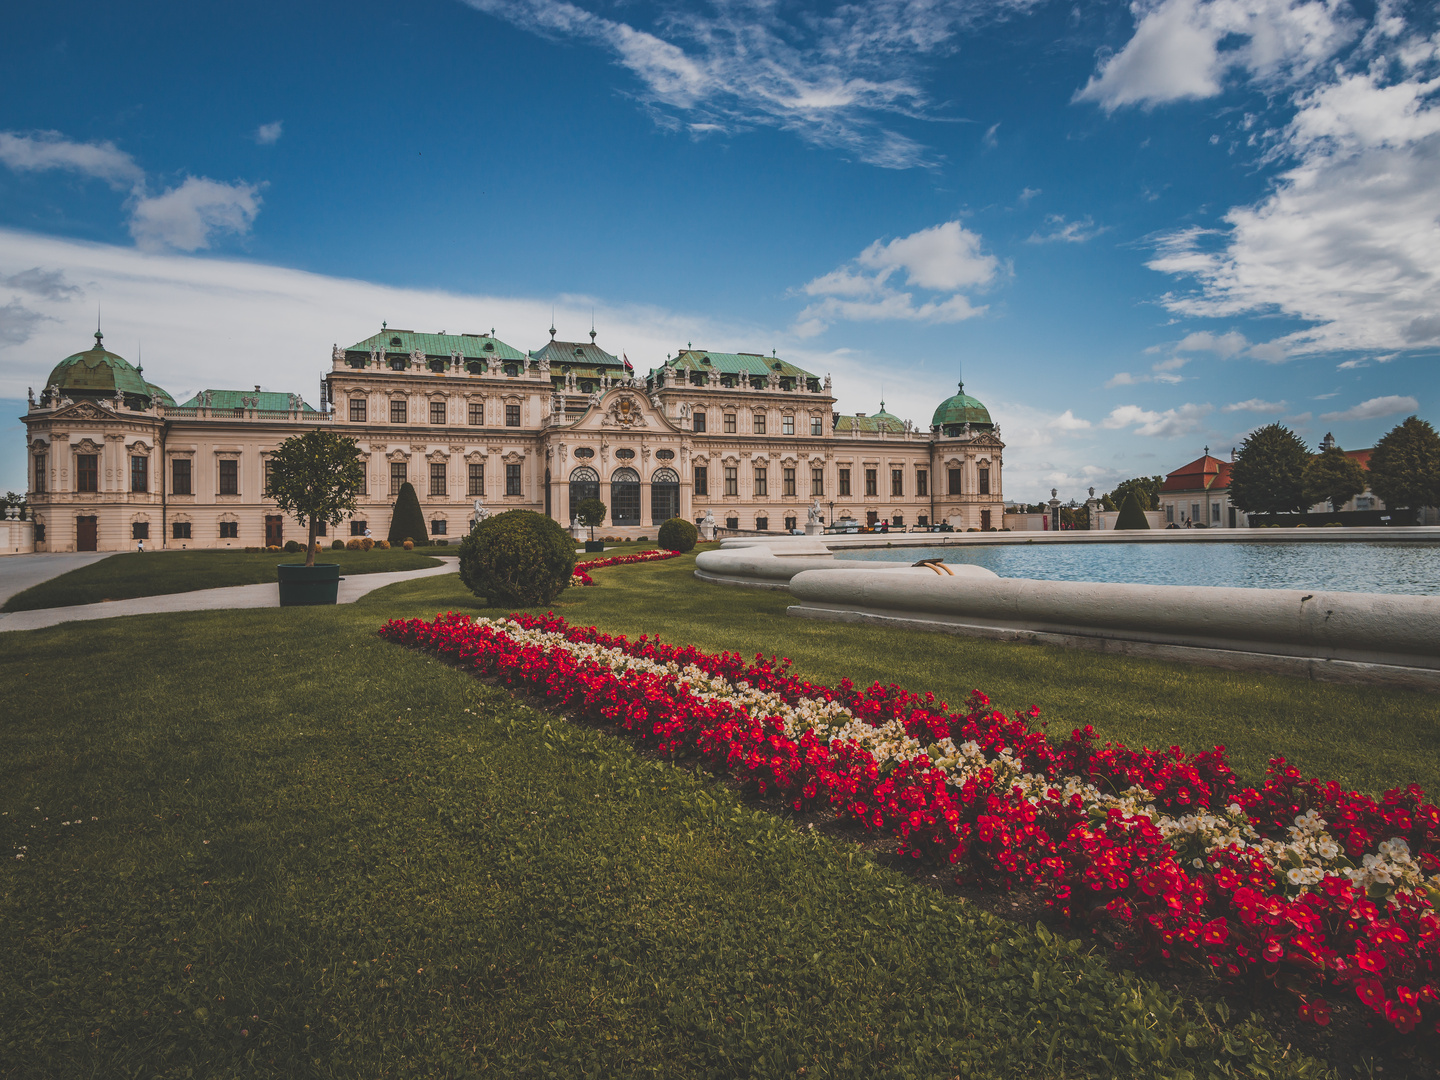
x=1207, y=451
x=99, y=337
x=552, y=322
x=139, y=358
x=592, y=326
x=384, y=325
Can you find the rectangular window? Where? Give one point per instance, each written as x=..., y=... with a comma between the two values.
x=139, y=530
x=476, y=485
x=789, y=483
x=762, y=524
x=512, y=479
x=984, y=481
x=399, y=411
x=512, y=415
x=1215, y=513
x=844, y=481
x=180, y=530
x=922, y=483
x=760, y=483
x=229, y=477
x=1169, y=513
x=702, y=480
x=87, y=472
x=697, y=422
x=357, y=410
x=180, y=477
x=266, y=465
x=790, y=523
x=729, y=423
x=732, y=480
x=477, y=414
x=437, y=478
x=364, y=488
x=320, y=529
x=39, y=532
x=357, y=528
x=953, y=480
x=229, y=530
x=871, y=482
x=922, y=520
x=437, y=412
x=399, y=474
x=1194, y=511
x=759, y=428
x=39, y=473
x=817, y=481
x=438, y=527
x=787, y=425
x=817, y=426
x=897, y=482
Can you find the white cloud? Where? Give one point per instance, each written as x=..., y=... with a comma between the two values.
x=269, y=134
x=1183, y=49
x=1375, y=408
x=41, y=151
x=186, y=218
x=836, y=80
x=1166, y=425
x=1256, y=405
x=18, y=323
x=47, y=284
x=943, y=259
x=1026, y=194
x=1222, y=345
x=1163, y=371
x=1065, y=232
x=1068, y=421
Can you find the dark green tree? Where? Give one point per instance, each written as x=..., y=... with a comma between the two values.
x=316, y=477
x=1333, y=476
x=407, y=520
x=589, y=513
x=1405, y=466
x=1268, y=476
x=1132, y=514
x=1146, y=488
x=518, y=557
x=677, y=534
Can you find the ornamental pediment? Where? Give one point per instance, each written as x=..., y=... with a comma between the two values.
x=82, y=410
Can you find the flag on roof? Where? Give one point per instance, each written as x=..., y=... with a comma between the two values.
x=628, y=366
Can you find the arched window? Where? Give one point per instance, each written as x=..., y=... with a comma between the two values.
x=584, y=484
x=625, y=497
x=664, y=495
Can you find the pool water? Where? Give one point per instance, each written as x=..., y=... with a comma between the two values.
x=1380, y=567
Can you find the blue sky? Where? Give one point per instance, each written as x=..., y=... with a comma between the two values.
x=1139, y=228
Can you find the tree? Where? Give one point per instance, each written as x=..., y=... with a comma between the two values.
x=1268, y=476
x=1405, y=466
x=407, y=520
x=589, y=513
x=1146, y=488
x=1333, y=476
x=518, y=557
x=316, y=477
x=1132, y=514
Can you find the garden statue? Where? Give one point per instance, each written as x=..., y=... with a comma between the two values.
x=707, y=526
x=481, y=512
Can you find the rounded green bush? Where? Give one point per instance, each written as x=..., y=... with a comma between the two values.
x=677, y=534
x=518, y=557
x=337, y=545
x=292, y=546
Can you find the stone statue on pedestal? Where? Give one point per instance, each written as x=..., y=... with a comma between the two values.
x=707, y=526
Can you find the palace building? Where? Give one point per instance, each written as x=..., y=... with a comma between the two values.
x=751, y=439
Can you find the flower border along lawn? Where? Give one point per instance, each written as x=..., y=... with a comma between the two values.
x=1302, y=885
x=292, y=849
x=157, y=573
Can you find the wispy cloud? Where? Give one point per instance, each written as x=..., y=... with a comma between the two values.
x=943, y=260
x=1065, y=232
x=1166, y=425
x=269, y=134
x=41, y=151
x=1256, y=405
x=18, y=323
x=1375, y=408
x=838, y=80
x=1164, y=371
x=46, y=284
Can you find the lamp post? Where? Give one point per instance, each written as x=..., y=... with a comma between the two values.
x=1054, y=510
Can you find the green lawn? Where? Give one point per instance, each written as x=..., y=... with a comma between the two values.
x=155, y=573
x=295, y=850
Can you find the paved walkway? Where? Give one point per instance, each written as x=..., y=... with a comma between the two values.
x=352, y=587
x=20, y=572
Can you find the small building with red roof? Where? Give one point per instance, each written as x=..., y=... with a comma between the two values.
x=1198, y=493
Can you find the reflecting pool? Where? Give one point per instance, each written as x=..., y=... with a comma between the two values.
x=1375, y=567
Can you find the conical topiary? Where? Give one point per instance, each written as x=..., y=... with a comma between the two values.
x=1131, y=516
x=407, y=520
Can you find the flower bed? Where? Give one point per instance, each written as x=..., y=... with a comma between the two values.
x=580, y=576
x=1298, y=883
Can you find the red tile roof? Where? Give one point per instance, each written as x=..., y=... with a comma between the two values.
x=1203, y=474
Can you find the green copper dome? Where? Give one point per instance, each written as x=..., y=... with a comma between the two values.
x=961, y=409
x=98, y=373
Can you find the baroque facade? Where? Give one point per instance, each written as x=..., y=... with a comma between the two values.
x=750, y=439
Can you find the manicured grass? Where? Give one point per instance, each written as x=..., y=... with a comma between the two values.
x=266, y=843
x=156, y=573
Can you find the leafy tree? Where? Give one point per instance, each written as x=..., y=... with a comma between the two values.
x=407, y=520
x=1132, y=514
x=316, y=477
x=589, y=513
x=1268, y=476
x=1146, y=488
x=1405, y=466
x=1333, y=476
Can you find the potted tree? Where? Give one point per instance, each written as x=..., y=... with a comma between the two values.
x=591, y=512
x=314, y=477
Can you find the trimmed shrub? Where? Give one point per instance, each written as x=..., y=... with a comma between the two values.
x=442, y=543
x=366, y=543
x=407, y=521
x=339, y=545
x=291, y=547
x=677, y=534
x=1131, y=516
x=409, y=545
x=383, y=545
x=518, y=557
x=353, y=545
